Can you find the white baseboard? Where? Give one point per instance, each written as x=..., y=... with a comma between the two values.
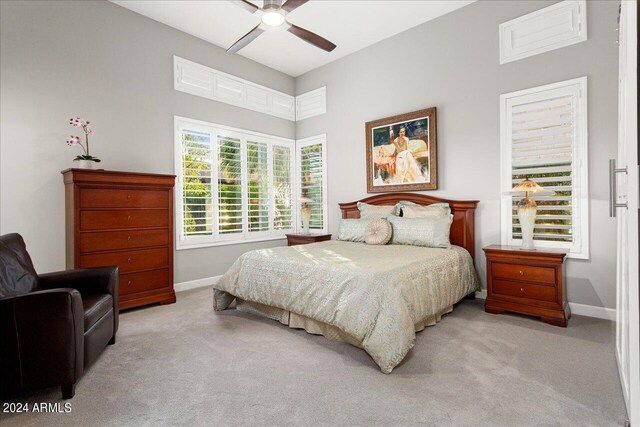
x=593, y=311
x=579, y=309
x=198, y=283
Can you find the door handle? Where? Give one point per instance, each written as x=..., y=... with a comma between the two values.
x=613, y=193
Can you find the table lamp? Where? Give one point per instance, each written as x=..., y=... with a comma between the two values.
x=527, y=208
x=305, y=211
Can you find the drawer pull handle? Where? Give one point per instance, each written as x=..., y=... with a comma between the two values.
x=128, y=259
x=128, y=217
x=128, y=237
x=129, y=283
x=521, y=289
x=521, y=273
x=128, y=196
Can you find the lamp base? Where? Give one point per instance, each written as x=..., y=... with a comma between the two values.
x=305, y=210
x=527, y=210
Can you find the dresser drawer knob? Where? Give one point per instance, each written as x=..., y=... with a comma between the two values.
x=521, y=289
x=128, y=217
x=521, y=273
x=129, y=283
x=128, y=259
x=128, y=196
x=128, y=237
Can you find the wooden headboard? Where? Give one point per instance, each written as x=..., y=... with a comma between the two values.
x=462, y=228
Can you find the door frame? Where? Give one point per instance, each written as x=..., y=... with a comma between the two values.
x=628, y=92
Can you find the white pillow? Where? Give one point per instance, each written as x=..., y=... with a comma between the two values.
x=353, y=230
x=414, y=210
x=432, y=231
x=368, y=211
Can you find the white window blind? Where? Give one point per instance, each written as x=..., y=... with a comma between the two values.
x=544, y=139
x=196, y=191
x=230, y=186
x=258, y=187
x=282, y=188
x=312, y=166
x=233, y=185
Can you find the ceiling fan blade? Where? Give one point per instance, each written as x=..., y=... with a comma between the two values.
x=247, y=5
x=311, y=38
x=290, y=5
x=246, y=39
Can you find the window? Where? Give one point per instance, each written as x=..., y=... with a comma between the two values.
x=311, y=176
x=544, y=138
x=233, y=186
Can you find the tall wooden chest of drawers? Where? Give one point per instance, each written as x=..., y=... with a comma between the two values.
x=123, y=219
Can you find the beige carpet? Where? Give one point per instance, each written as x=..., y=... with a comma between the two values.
x=185, y=364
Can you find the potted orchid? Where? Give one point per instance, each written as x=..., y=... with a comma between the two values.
x=86, y=160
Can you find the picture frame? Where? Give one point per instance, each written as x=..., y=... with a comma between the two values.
x=402, y=152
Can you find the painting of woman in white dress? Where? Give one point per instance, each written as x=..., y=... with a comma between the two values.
x=401, y=152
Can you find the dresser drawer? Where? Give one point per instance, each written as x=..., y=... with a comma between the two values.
x=126, y=218
x=109, y=240
x=144, y=281
x=128, y=261
x=524, y=290
x=111, y=198
x=524, y=272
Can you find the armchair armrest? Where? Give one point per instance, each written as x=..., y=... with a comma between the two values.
x=85, y=280
x=41, y=339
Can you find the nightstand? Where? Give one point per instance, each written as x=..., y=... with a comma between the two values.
x=303, y=239
x=527, y=282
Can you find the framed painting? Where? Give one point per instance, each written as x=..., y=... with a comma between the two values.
x=401, y=152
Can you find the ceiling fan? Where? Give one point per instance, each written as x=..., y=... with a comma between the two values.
x=274, y=15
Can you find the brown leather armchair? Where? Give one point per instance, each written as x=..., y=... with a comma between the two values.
x=52, y=326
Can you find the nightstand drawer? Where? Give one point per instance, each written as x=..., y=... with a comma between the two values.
x=524, y=290
x=524, y=272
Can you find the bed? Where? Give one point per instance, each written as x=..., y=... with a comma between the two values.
x=375, y=297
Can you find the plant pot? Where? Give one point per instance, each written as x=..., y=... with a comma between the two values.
x=84, y=164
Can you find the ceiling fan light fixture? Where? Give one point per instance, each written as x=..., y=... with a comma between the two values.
x=273, y=18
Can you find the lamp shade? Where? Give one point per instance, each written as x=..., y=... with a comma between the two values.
x=529, y=188
x=527, y=208
x=304, y=199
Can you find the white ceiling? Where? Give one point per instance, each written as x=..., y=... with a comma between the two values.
x=351, y=25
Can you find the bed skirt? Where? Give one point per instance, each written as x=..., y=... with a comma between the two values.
x=297, y=321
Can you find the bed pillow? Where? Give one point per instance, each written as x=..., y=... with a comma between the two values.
x=414, y=210
x=353, y=230
x=370, y=212
x=432, y=232
x=378, y=232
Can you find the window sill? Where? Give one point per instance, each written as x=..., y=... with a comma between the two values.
x=182, y=246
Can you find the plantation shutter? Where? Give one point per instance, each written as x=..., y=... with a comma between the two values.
x=543, y=135
x=232, y=185
x=230, y=206
x=544, y=138
x=257, y=187
x=196, y=165
x=282, y=188
x=311, y=181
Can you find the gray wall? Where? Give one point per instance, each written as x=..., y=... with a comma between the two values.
x=453, y=63
x=99, y=61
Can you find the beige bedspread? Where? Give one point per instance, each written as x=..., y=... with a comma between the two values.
x=375, y=294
